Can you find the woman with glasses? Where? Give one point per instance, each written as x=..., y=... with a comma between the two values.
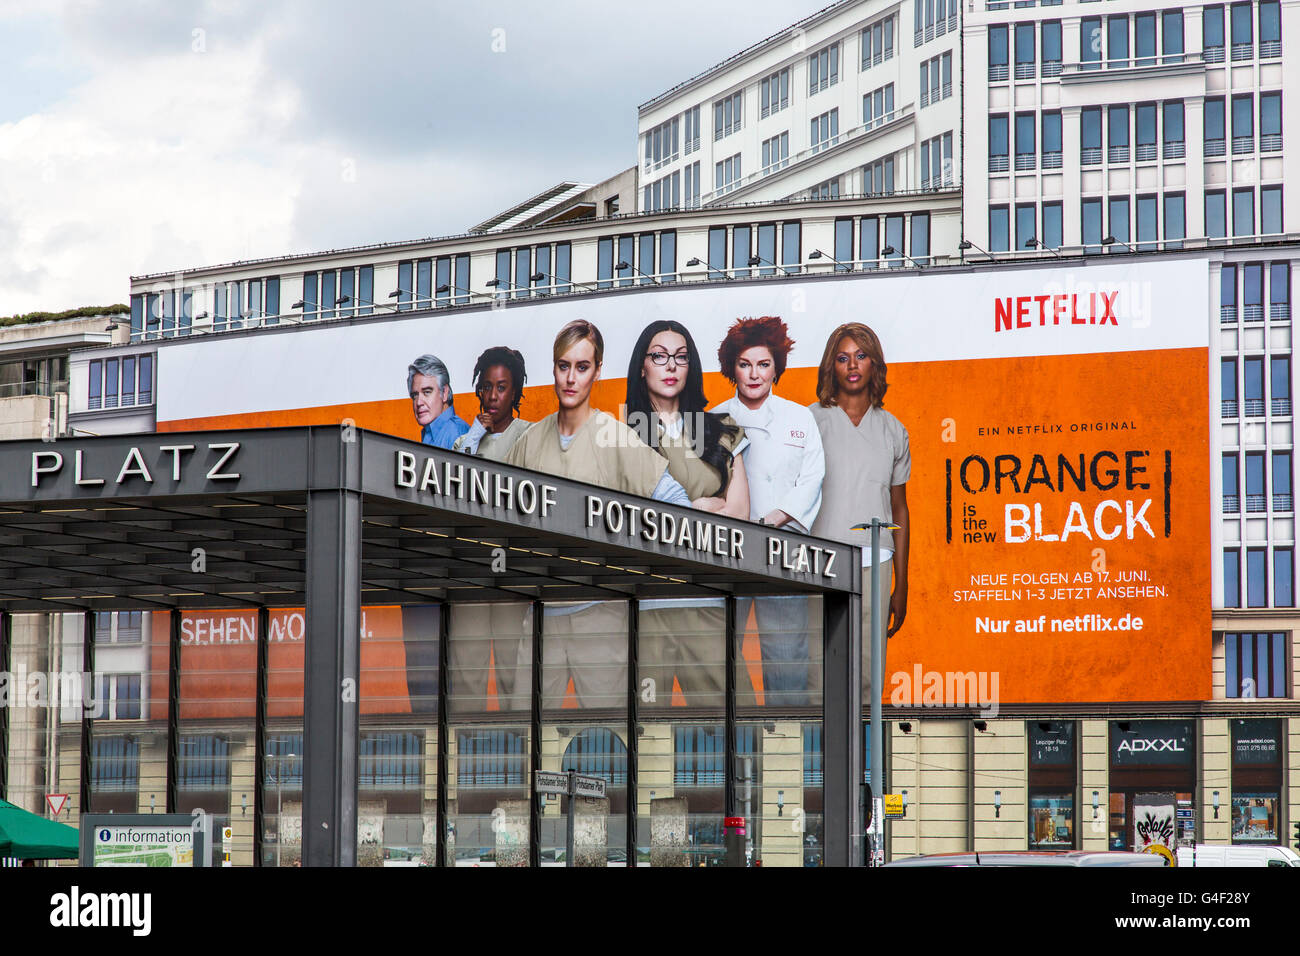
x=665, y=405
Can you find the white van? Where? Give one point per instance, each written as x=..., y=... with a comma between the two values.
x=1204, y=854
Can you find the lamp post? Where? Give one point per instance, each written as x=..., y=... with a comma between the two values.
x=877, y=678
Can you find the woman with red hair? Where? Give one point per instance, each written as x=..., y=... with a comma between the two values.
x=785, y=466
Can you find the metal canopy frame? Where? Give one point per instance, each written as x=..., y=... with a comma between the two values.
x=328, y=518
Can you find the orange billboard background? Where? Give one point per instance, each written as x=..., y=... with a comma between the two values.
x=1034, y=618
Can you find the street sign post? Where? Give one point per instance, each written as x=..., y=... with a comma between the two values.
x=572, y=785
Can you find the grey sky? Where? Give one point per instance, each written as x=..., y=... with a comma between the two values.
x=144, y=136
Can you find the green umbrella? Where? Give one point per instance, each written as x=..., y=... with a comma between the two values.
x=29, y=837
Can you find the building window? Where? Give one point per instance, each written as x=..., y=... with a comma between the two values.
x=1252, y=300
x=1051, y=139
x=827, y=190
x=1117, y=42
x=1231, y=488
x=390, y=761
x=691, y=133
x=1117, y=134
x=663, y=193
x=114, y=764
x=728, y=115
x=490, y=759
x=1026, y=225
x=1147, y=222
x=825, y=131
x=1284, y=570
x=936, y=79
x=999, y=61
x=878, y=177
x=1173, y=132
x=1091, y=225
x=1090, y=136
x=1279, y=296
x=1270, y=210
x=936, y=162
x=999, y=229
x=1228, y=403
x=741, y=250
x=791, y=256
x=1144, y=39
x=1216, y=216
x=1175, y=220
x=1256, y=493
x=726, y=174
x=1281, y=477
x=203, y=762
x=1243, y=45
x=1243, y=124
x=878, y=42
x=878, y=106
x=1117, y=220
x=1172, y=36
x=597, y=752
x=1255, y=665
x=1270, y=29
x=717, y=252
x=774, y=93
x=776, y=153
x=1026, y=59
x=1051, y=47
x=869, y=241
x=999, y=147
x=1215, y=129
x=691, y=185
x=699, y=756
x=661, y=144
x=1270, y=122
x=843, y=245
x=1146, y=132
x=1253, y=397
x=823, y=68
x=1090, y=43
x=1053, y=234
x=1231, y=577
x=920, y=238
x=1026, y=148
x=1243, y=212
x=1280, y=387
x=1257, y=577
x=1212, y=34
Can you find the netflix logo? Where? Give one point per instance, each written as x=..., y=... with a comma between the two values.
x=1074, y=308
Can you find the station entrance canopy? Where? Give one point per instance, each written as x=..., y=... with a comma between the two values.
x=329, y=518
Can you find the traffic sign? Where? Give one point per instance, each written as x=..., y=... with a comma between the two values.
x=545, y=781
x=589, y=787
x=56, y=802
x=893, y=804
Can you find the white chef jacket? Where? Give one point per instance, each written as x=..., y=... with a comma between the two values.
x=783, y=461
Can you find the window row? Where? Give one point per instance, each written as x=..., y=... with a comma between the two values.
x=1243, y=124
x=664, y=193
x=1257, y=577
x=871, y=242
x=1241, y=22
x=1253, y=402
x=936, y=79
x=1132, y=123
x=728, y=114
x=774, y=93
x=878, y=177
x=878, y=106
x=1142, y=29
x=877, y=42
x=1251, y=292
x=1028, y=63
x=647, y=258
x=934, y=18
x=1257, y=483
x=830, y=189
x=823, y=68
x=1027, y=154
x=736, y=250
x=1035, y=226
x=118, y=627
x=661, y=144
x=120, y=382
x=825, y=130
x=1255, y=665
x=343, y=293
x=1243, y=212
x=1123, y=214
x=776, y=153
x=936, y=162
x=530, y=270
x=726, y=175
x=34, y=376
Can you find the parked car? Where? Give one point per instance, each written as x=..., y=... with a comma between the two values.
x=1206, y=854
x=1034, y=858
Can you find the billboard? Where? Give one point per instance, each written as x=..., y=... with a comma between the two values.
x=1056, y=420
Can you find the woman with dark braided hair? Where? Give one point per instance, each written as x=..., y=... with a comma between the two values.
x=499, y=382
x=685, y=638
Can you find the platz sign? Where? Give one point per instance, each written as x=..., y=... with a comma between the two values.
x=566, y=784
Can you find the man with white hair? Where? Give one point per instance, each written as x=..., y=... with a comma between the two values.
x=429, y=386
